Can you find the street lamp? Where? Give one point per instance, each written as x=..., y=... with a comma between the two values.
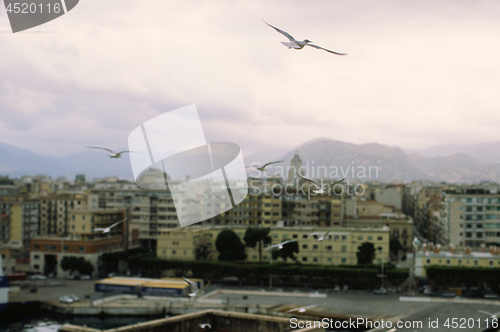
x=415, y=244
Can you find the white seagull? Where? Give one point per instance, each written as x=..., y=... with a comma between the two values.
x=205, y=326
x=493, y=316
x=321, y=187
x=280, y=245
x=320, y=236
x=298, y=45
x=194, y=287
x=108, y=229
x=111, y=154
x=263, y=167
x=303, y=309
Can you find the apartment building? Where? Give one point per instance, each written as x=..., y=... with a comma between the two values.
x=47, y=252
x=338, y=248
x=54, y=211
x=433, y=255
x=473, y=216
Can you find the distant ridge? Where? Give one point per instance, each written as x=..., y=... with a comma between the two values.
x=339, y=158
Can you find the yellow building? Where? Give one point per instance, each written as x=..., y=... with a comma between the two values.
x=339, y=247
x=434, y=256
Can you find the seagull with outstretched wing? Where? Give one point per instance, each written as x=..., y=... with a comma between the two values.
x=303, y=309
x=194, y=287
x=263, y=167
x=298, y=45
x=321, y=187
x=320, y=236
x=279, y=245
x=111, y=154
x=108, y=229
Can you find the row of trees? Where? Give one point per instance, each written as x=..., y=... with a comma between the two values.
x=231, y=248
x=73, y=264
x=361, y=277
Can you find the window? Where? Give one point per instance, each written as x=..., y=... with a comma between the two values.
x=315, y=246
x=36, y=256
x=304, y=259
x=380, y=238
x=295, y=236
x=328, y=247
x=428, y=261
x=315, y=259
x=343, y=249
x=343, y=260
x=304, y=236
x=360, y=237
x=36, y=247
x=81, y=249
x=329, y=260
x=304, y=246
x=370, y=238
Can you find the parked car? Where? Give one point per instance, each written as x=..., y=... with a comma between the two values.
x=37, y=277
x=85, y=277
x=70, y=277
x=297, y=291
x=66, y=299
x=380, y=291
x=279, y=290
x=429, y=292
x=74, y=298
x=448, y=294
x=345, y=288
x=492, y=296
x=337, y=288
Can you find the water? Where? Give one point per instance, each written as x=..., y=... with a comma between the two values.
x=30, y=318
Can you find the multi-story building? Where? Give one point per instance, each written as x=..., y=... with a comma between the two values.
x=339, y=247
x=466, y=258
x=151, y=211
x=400, y=226
x=19, y=224
x=473, y=216
x=54, y=211
x=47, y=252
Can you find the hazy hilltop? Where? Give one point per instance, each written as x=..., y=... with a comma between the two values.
x=364, y=162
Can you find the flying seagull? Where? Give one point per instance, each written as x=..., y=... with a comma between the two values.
x=205, y=326
x=263, y=167
x=112, y=154
x=194, y=287
x=493, y=316
x=108, y=229
x=303, y=309
x=280, y=245
x=298, y=45
x=320, y=236
x=321, y=187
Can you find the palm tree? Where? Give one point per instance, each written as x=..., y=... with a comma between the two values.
x=254, y=236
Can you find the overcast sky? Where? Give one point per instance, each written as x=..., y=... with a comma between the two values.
x=417, y=73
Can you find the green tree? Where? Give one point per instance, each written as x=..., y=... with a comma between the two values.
x=73, y=264
x=229, y=246
x=257, y=236
x=366, y=253
x=202, y=251
x=395, y=246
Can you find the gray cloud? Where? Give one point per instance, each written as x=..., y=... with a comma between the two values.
x=417, y=74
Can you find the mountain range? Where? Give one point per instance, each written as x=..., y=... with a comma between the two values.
x=321, y=158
